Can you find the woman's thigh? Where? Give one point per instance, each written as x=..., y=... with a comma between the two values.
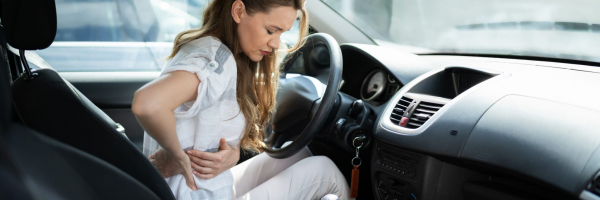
x=255, y=171
x=311, y=178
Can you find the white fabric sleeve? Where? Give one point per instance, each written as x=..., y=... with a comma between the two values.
x=214, y=79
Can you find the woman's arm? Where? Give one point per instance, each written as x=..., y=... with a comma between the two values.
x=153, y=106
x=208, y=165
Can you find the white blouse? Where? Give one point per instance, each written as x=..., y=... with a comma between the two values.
x=215, y=113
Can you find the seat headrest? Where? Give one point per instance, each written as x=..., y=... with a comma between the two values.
x=29, y=24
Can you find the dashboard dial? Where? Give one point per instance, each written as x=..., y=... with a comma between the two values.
x=373, y=85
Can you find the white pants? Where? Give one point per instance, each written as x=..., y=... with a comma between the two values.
x=301, y=177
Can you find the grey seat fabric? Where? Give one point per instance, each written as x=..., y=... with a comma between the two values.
x=34, y=166
x=53, y=170
x=51, y=106
x=11, y=184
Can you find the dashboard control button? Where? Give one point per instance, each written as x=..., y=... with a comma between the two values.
x=338, y=126
x=403, y=121
x=382, y=193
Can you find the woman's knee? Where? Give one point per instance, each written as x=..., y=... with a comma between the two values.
x=320, y=162
x=326, y=173
x=324, y=160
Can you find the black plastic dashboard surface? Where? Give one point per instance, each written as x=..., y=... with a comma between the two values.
x=536, y=119
x=521, y=134
x=528, y=118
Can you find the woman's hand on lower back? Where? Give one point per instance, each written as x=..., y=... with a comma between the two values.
x=153, y=106
x=208, y=165
x=169, y=165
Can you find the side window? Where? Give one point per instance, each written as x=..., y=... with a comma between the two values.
x=173, y=16
x=118, y=35
x=85, y=20
x=288, y=40
x=123, y=35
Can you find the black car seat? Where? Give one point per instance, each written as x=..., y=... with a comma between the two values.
x=50, y=105
x=34, y=166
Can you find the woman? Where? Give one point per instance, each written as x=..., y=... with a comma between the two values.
x=212, y=87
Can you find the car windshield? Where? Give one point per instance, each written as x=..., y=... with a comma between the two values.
x=566, y=29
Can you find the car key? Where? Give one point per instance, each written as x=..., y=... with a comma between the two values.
x=354, y=182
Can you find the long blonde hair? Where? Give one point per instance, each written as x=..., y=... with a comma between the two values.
x=256, y=86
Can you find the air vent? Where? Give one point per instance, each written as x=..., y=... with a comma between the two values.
x=399, y=110
x=422, y=113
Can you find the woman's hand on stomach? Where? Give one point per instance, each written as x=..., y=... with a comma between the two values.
x=208, y=165
x=169, y=165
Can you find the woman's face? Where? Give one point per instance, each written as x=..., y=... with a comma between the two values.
x=259, y=33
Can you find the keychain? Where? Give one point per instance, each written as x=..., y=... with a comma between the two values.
x=354, y=182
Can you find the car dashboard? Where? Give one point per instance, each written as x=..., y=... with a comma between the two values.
x=452, y=127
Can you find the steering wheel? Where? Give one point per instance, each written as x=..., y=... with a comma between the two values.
x=303, y=101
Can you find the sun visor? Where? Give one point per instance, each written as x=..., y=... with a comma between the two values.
x=29, y=24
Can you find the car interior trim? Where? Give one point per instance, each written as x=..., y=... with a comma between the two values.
x=324, y=19
x=387, y=124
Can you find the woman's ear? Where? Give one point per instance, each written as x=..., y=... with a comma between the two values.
x=237, y=9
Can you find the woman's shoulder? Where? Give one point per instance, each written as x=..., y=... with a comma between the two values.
x=207, y=54
x=201, y=51
x=207, y=44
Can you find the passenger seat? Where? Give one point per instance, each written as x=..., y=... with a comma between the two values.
x=50, y=105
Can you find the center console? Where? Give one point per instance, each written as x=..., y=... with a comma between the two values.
x=398, y=174
x=395, y=173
